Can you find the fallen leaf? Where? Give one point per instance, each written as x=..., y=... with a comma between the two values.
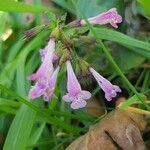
x=120, y=129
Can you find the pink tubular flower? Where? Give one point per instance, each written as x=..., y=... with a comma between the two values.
x=75, y=94
x=46, y=67
x=109, y=89
x=111, y=16
x=45, y=77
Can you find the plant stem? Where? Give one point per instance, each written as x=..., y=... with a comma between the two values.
x=139, y=111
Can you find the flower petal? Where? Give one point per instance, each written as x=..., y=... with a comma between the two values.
x=85, y=94
x=51, y=85
x=73, y=85
x=76, y=104
x=46, y=67
x=53, y=78
x=32, y=76
x=67, y=98
x=108, y=97
x=36, y=92
x=42, y=54
x=39, y=88
x=116, y=88
x=47, y=95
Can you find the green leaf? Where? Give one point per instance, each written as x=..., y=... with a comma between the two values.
x=36, y=135
x=13, y=6
x=131, y=101
x=140, y=47
x=146, y=5
x=15, y=49
x=20, y=129
x=8, y=102
x=94, y=7
x=8, y=110
x=66, y=5
x=121, y=53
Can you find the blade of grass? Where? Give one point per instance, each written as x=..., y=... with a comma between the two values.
x=14, y=49
x=20, y=130
x=36, y=135
x=8, y=102
x=145, y=81
x=8, y=110
x=13, y=6
x=49, y=118
x=112, y=35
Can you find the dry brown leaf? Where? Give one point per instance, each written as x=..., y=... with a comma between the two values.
x=120, y=129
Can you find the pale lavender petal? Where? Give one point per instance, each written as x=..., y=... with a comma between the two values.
x=48, y=94
x=53, y=78
x=117, y=88
x=32, y=77
x=38, y=89
x=73, y=85
x=51, y=85
x=111, y=16
x=55, y=57
x=85, y=94
x=108, y=97
x=46, y=67
x=42, y=54
x=96, y=75
x=35, y=92
x=114, y=24
x=67, y=98
x=78, y=103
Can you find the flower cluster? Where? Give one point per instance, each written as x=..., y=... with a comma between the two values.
x=46, y=76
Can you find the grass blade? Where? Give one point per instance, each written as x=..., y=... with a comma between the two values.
x=109, y=34
x=13, y=6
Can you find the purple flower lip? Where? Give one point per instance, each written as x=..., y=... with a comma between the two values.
x=111, y=16
x=75, y=94
x=109, y=89
x=44, y=86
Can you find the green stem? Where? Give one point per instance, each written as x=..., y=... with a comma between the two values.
x=145, y=82
x=140, y=78
x=109, y=57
